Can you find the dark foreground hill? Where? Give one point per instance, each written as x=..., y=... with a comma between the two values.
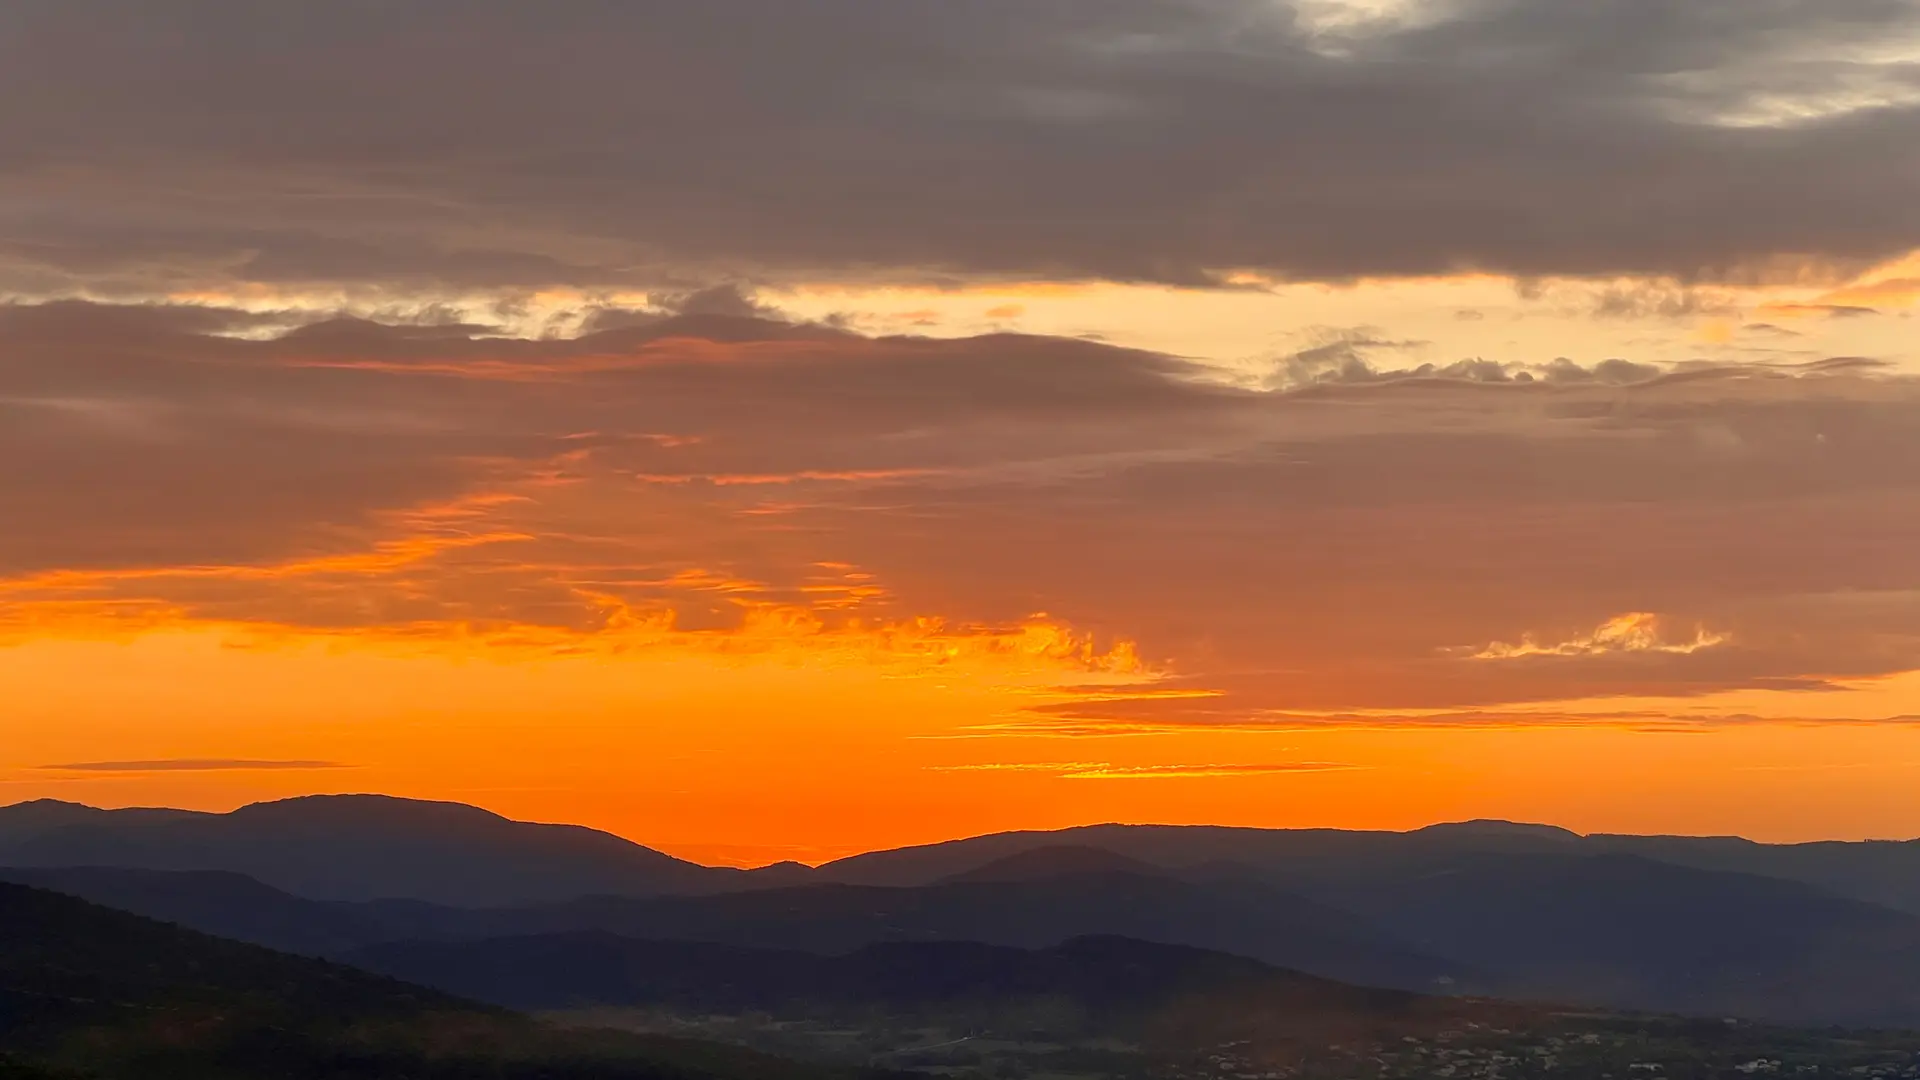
x=1107, y=1007
x=1168, y=994
x=91, y=992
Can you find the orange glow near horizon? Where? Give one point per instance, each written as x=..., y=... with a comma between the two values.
x=811, y=747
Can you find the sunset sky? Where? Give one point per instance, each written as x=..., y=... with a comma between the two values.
x=772, y=429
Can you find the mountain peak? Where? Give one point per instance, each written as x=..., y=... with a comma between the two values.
x=1495, y=827
x=365, y=809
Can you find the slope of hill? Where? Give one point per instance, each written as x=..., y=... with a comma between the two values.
x=361, y=847
x=104, y=994
x=236, y=906
x=1878, y=871
x=1106, y=984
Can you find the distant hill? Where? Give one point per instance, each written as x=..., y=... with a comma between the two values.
x=1179, y=847
x=361, y=847
x=1879, y=872
x=91, y=992
x=375, y=847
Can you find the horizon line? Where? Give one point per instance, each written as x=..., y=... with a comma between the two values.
x=664, y=849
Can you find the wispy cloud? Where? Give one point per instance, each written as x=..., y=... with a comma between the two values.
x=1634, y=632
x=1101, y=770
x=191, y=765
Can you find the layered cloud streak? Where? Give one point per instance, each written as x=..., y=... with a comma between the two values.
x=1362, y=543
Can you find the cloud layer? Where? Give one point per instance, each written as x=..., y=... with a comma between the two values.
x=219, y=144
x=1344, y=543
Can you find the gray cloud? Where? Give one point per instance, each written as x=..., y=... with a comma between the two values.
x=462, y=145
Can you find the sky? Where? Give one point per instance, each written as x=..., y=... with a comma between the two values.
x=771, y=430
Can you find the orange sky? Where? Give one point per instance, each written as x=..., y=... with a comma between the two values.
x=812, y=748
x=776, y=430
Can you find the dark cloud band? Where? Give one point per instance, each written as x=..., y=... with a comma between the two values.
x=191, y=765
x=488, y=145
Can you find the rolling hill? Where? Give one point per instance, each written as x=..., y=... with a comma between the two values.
x=1023, y=910
x=1628, y=932
x=361, y=847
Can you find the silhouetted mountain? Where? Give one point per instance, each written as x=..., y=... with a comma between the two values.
x=92, y=992
x=361, y=847
x=1492, y=831
x=1182, y=847
x=368, y=847
x=23, y=821
x=1881, y=872
x=1625, y=931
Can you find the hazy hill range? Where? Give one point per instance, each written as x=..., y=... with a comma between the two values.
x=90, y=992
x=1882, y=872
x=1606, y=930
x=1029, y=910
x=1484, y=907
x=1629, y=932
x=366, y=847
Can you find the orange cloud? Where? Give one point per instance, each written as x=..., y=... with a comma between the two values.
x=1634, y=632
